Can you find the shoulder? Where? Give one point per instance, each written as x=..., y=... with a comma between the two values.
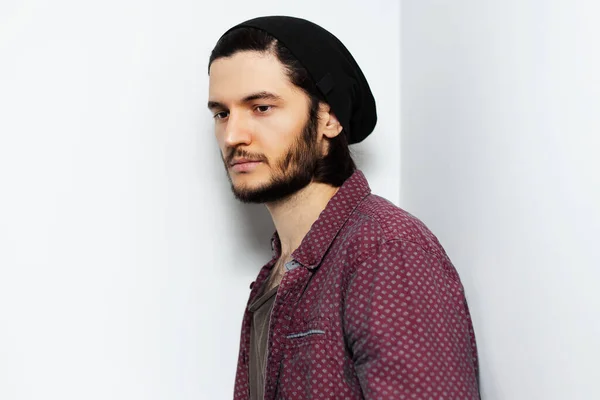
x=389, y=236
x=382, y=223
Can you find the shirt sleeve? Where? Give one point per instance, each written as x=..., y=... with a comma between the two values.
x=408, y=327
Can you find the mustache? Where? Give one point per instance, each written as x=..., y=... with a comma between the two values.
x=241, y=153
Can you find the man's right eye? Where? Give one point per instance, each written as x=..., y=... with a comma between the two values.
x=220, y=115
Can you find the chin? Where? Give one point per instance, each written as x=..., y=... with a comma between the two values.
x=252, y=179
x=245, y=187
x=248, y=182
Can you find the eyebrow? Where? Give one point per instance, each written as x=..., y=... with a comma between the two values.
x=247, y=99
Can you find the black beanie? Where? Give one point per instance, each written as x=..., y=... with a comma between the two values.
x=332, y=68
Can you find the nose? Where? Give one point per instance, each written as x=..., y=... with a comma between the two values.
x=237, y=130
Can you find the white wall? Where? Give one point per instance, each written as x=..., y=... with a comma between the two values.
x=124, y=260
x=500, y=144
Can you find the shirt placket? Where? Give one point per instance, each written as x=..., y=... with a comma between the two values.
x=291, y=286
x=246, y=324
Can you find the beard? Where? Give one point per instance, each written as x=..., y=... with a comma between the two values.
x=291, y=173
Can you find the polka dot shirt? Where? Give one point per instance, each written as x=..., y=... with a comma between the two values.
x=370, y=307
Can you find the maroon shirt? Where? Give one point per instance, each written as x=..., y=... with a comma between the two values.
x=370, y=307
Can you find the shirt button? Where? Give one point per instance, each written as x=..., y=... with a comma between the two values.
x=291, y=265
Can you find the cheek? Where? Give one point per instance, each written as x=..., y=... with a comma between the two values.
x=284, y=131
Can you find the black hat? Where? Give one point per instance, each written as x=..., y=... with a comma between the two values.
x=332, y=68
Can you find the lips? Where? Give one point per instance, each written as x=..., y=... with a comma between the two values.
x=246, y=166
x=243, y=161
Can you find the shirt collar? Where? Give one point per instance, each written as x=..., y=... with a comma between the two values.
x=324, y=230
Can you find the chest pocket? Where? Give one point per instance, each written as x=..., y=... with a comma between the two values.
x=305, y=332
x=308, y=361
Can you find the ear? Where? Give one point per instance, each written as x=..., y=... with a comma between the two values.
x=329, y=126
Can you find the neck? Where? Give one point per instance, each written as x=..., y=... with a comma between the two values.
x=294, y=216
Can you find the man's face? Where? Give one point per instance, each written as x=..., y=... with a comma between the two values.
x=267, y=140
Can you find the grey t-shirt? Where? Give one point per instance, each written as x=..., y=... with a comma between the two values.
x=259, y=335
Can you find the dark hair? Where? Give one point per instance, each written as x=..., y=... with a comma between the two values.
x=337, y=165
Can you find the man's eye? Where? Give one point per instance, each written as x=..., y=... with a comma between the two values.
x=262, y=109
x=220, y=115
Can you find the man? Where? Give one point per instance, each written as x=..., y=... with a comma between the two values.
x=359, y=300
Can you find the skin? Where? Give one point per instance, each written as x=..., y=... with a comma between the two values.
x=259, y=114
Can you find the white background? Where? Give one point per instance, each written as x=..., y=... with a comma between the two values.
x=500, y=158
x=125, y=261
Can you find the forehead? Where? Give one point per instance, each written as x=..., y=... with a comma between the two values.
x=232, y=78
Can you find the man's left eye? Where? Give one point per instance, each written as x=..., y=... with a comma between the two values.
x=262, y=109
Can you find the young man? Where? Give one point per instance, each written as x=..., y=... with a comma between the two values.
x=359, y=300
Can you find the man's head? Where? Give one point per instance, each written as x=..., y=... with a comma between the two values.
x=268, y=109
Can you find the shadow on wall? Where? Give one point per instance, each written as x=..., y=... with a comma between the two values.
x=364, y=154
x=253, y=228
x=250, y=223
x=256, y=226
